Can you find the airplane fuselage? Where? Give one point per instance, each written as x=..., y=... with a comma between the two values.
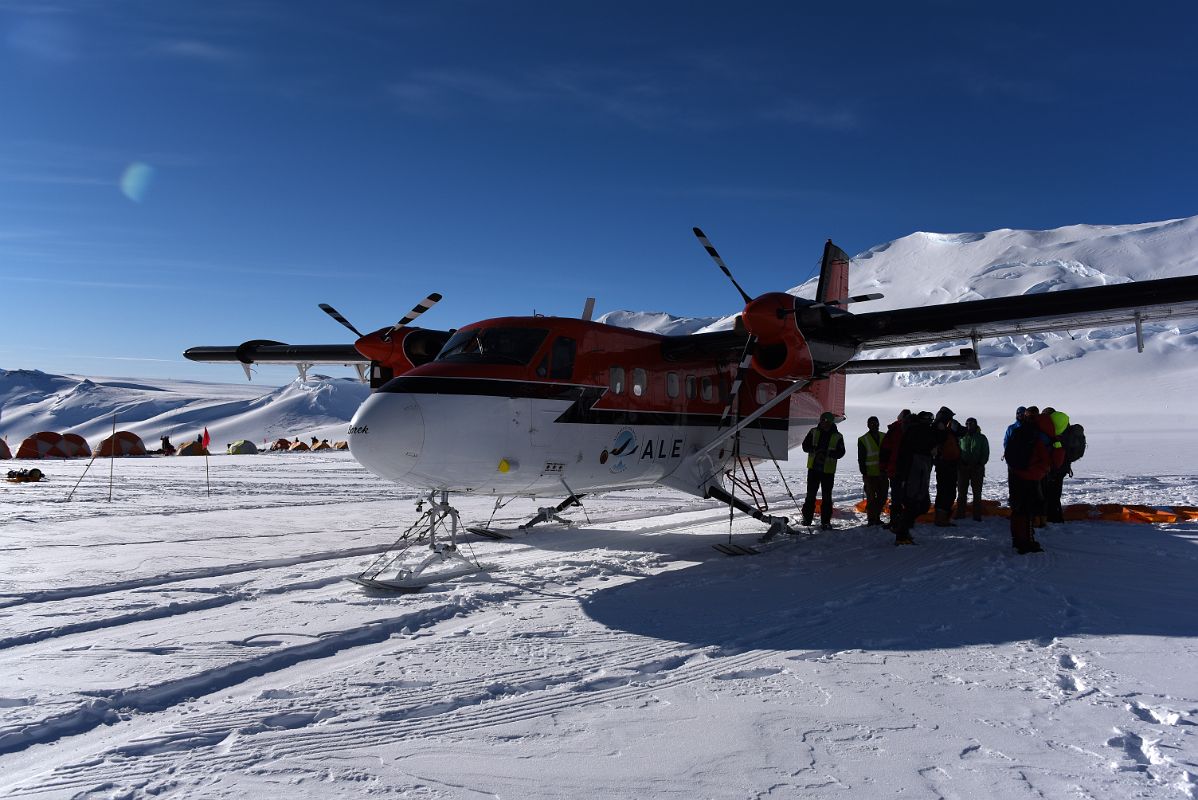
x=532, y=405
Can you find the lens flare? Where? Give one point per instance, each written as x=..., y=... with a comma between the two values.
x=136, y=180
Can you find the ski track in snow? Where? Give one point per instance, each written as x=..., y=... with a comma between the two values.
x=830, y=662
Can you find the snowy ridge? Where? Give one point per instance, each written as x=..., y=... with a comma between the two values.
x=32, y=401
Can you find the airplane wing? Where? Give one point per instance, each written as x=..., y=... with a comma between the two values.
x=1098, y=306
x=265, y=351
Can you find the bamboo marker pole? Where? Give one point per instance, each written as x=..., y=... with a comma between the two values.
x=111, y=455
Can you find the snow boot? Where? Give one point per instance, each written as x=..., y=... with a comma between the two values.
x=1021, y=535
x=942, y=519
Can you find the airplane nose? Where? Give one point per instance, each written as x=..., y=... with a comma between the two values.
x=386, y=435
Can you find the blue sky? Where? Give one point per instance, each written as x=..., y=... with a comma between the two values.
x=521, y=156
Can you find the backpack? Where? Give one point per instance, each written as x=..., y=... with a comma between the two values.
x=1020, y=446
x=1073, y=439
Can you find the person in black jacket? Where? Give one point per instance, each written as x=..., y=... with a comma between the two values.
x=824, y=447
x=915, y=462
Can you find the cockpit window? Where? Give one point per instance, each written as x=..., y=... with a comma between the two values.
x=494, y=345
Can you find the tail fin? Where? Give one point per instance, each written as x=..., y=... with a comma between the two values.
x=833, y=276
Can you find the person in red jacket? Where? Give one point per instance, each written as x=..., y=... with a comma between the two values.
x=1028, y=462
x=888, y=459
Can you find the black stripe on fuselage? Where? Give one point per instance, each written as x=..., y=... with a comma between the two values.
x=582, y=401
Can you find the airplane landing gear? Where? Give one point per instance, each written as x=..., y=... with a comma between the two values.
x=778, y=525
x=416, y=567
x=553, y=513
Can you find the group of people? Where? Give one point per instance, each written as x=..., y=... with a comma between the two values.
x=1039, y=448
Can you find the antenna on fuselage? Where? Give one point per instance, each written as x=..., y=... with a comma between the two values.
x=588, y=309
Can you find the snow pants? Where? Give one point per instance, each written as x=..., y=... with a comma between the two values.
x=946, y=486
x=875, y=497
x=970, y=476
x=1054, y=485
x=818, y=481
x=916, y=495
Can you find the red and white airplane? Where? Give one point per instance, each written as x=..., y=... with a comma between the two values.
x=546, y=406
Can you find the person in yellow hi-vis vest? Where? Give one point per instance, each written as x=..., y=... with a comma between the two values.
x=869, y=452
x=824, y=446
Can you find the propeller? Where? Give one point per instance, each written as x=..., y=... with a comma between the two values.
x=417, y=310
x=715, y=256
x=732, y=409
x=332, y=312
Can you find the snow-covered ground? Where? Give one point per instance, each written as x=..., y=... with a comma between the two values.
x=168, y=642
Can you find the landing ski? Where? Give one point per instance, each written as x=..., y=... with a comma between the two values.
x=487, y=533
x=732, y=549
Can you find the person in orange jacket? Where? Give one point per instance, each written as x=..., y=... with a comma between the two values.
x=1028, y=462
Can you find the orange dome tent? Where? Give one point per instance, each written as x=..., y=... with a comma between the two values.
x=297, y=447
x=121, y=443
x=280, y=444
x=72, y=445
x=340, y=445
x=43, y=444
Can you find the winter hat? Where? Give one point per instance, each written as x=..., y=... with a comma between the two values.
x=827, y=416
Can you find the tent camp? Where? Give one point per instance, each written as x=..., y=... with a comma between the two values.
x=121, y=443
x=192, y=448
x=242, y=447
x=340, y=445
x=43, y=444
x=297, y=447
x=72, y=445
x=4, y=451
x=280, y=444
x=324, y=445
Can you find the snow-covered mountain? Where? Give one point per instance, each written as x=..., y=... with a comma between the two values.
x=937, y=268
x=32, y=401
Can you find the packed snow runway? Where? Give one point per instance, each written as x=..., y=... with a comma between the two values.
x=174, y=643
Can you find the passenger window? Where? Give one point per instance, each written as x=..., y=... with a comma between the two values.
x=765, y=393
x=639, y=381
x=705, y=387
x=690, y=387
x=563, y=358
x=616, y=380
x=672, y=384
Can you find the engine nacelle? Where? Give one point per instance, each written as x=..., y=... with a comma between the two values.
x=781, y=352
x=394, y=352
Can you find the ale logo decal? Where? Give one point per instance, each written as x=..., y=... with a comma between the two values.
x=623, y=447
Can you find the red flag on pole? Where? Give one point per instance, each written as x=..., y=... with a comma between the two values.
x=207, y=438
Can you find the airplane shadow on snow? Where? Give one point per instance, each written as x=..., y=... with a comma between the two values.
x=853, y=590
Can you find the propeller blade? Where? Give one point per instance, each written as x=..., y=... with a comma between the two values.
x=417, y=310
x=732, y=410
x=715, y=256
x=332, y=312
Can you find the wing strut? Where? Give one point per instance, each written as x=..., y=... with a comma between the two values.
x=724, y=436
